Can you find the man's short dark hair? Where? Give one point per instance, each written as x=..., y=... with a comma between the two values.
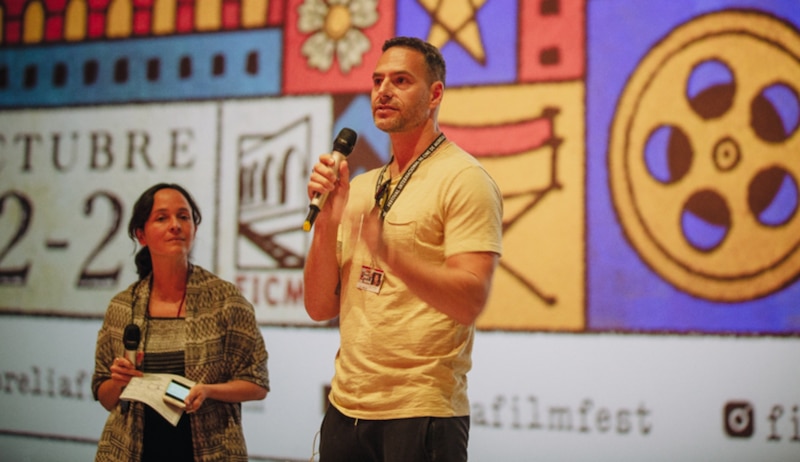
x=433, y=57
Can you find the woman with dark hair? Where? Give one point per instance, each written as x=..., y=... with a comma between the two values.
x=192, y=324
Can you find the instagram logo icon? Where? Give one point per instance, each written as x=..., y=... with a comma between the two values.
x=739, y=419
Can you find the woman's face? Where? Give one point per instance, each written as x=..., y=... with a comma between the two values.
x=169, y=230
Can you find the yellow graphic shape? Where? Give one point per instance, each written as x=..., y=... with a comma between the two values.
x=727, y=157
x=455, y=20
x=119, y=19
x=164, y=14
x=33, y=32
x=254, y=13
x=207, y=15
x=75, y=21
x=540, y=283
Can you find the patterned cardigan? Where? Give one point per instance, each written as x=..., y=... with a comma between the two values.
x=223, y=343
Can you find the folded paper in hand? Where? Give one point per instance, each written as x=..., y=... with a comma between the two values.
x=150, y=388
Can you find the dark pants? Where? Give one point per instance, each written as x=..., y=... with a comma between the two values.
x=418, y=439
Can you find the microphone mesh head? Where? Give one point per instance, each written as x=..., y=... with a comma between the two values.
x=345, y=141
x=131, y=337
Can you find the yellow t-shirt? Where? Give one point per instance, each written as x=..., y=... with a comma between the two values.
x=400, y=357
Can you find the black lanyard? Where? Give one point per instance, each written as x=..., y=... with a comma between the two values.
x=382, y=188
x=144, y=320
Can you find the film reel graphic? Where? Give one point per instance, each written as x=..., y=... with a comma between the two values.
x=704, y=156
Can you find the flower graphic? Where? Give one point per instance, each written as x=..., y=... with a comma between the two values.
x=336, y=26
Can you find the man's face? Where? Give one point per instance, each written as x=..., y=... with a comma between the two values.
x=402, y=98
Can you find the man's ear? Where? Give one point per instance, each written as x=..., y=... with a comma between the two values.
x=437, y=93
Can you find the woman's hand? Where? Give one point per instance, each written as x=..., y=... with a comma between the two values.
x=197, y=395
x=122, y=371
x=235, y=391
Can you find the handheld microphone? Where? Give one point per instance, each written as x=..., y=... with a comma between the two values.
x=342, y=147
x=131, y=339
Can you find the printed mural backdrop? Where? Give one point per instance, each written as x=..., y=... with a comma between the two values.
x=648, y=154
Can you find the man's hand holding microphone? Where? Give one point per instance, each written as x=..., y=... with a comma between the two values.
x=330, y=173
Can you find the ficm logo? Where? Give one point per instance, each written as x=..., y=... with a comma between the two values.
x=738, y=419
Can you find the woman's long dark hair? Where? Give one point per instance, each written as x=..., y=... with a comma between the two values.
x=140, y=215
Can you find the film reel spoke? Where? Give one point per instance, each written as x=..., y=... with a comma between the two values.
x=775, y=112
x=773, y=197
x=710, y=89
x=706, y=220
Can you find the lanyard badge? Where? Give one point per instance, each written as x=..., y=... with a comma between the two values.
x=371, y=279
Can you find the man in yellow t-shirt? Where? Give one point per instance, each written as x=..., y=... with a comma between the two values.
x=404, y=255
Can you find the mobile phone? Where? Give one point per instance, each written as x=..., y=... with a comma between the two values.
x=175, y=394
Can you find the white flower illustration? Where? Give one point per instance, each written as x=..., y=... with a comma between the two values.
x=336, y=25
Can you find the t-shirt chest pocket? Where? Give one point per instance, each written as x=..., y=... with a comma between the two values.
x=399, y=235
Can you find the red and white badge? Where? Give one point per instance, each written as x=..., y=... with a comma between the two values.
x=371, y=279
